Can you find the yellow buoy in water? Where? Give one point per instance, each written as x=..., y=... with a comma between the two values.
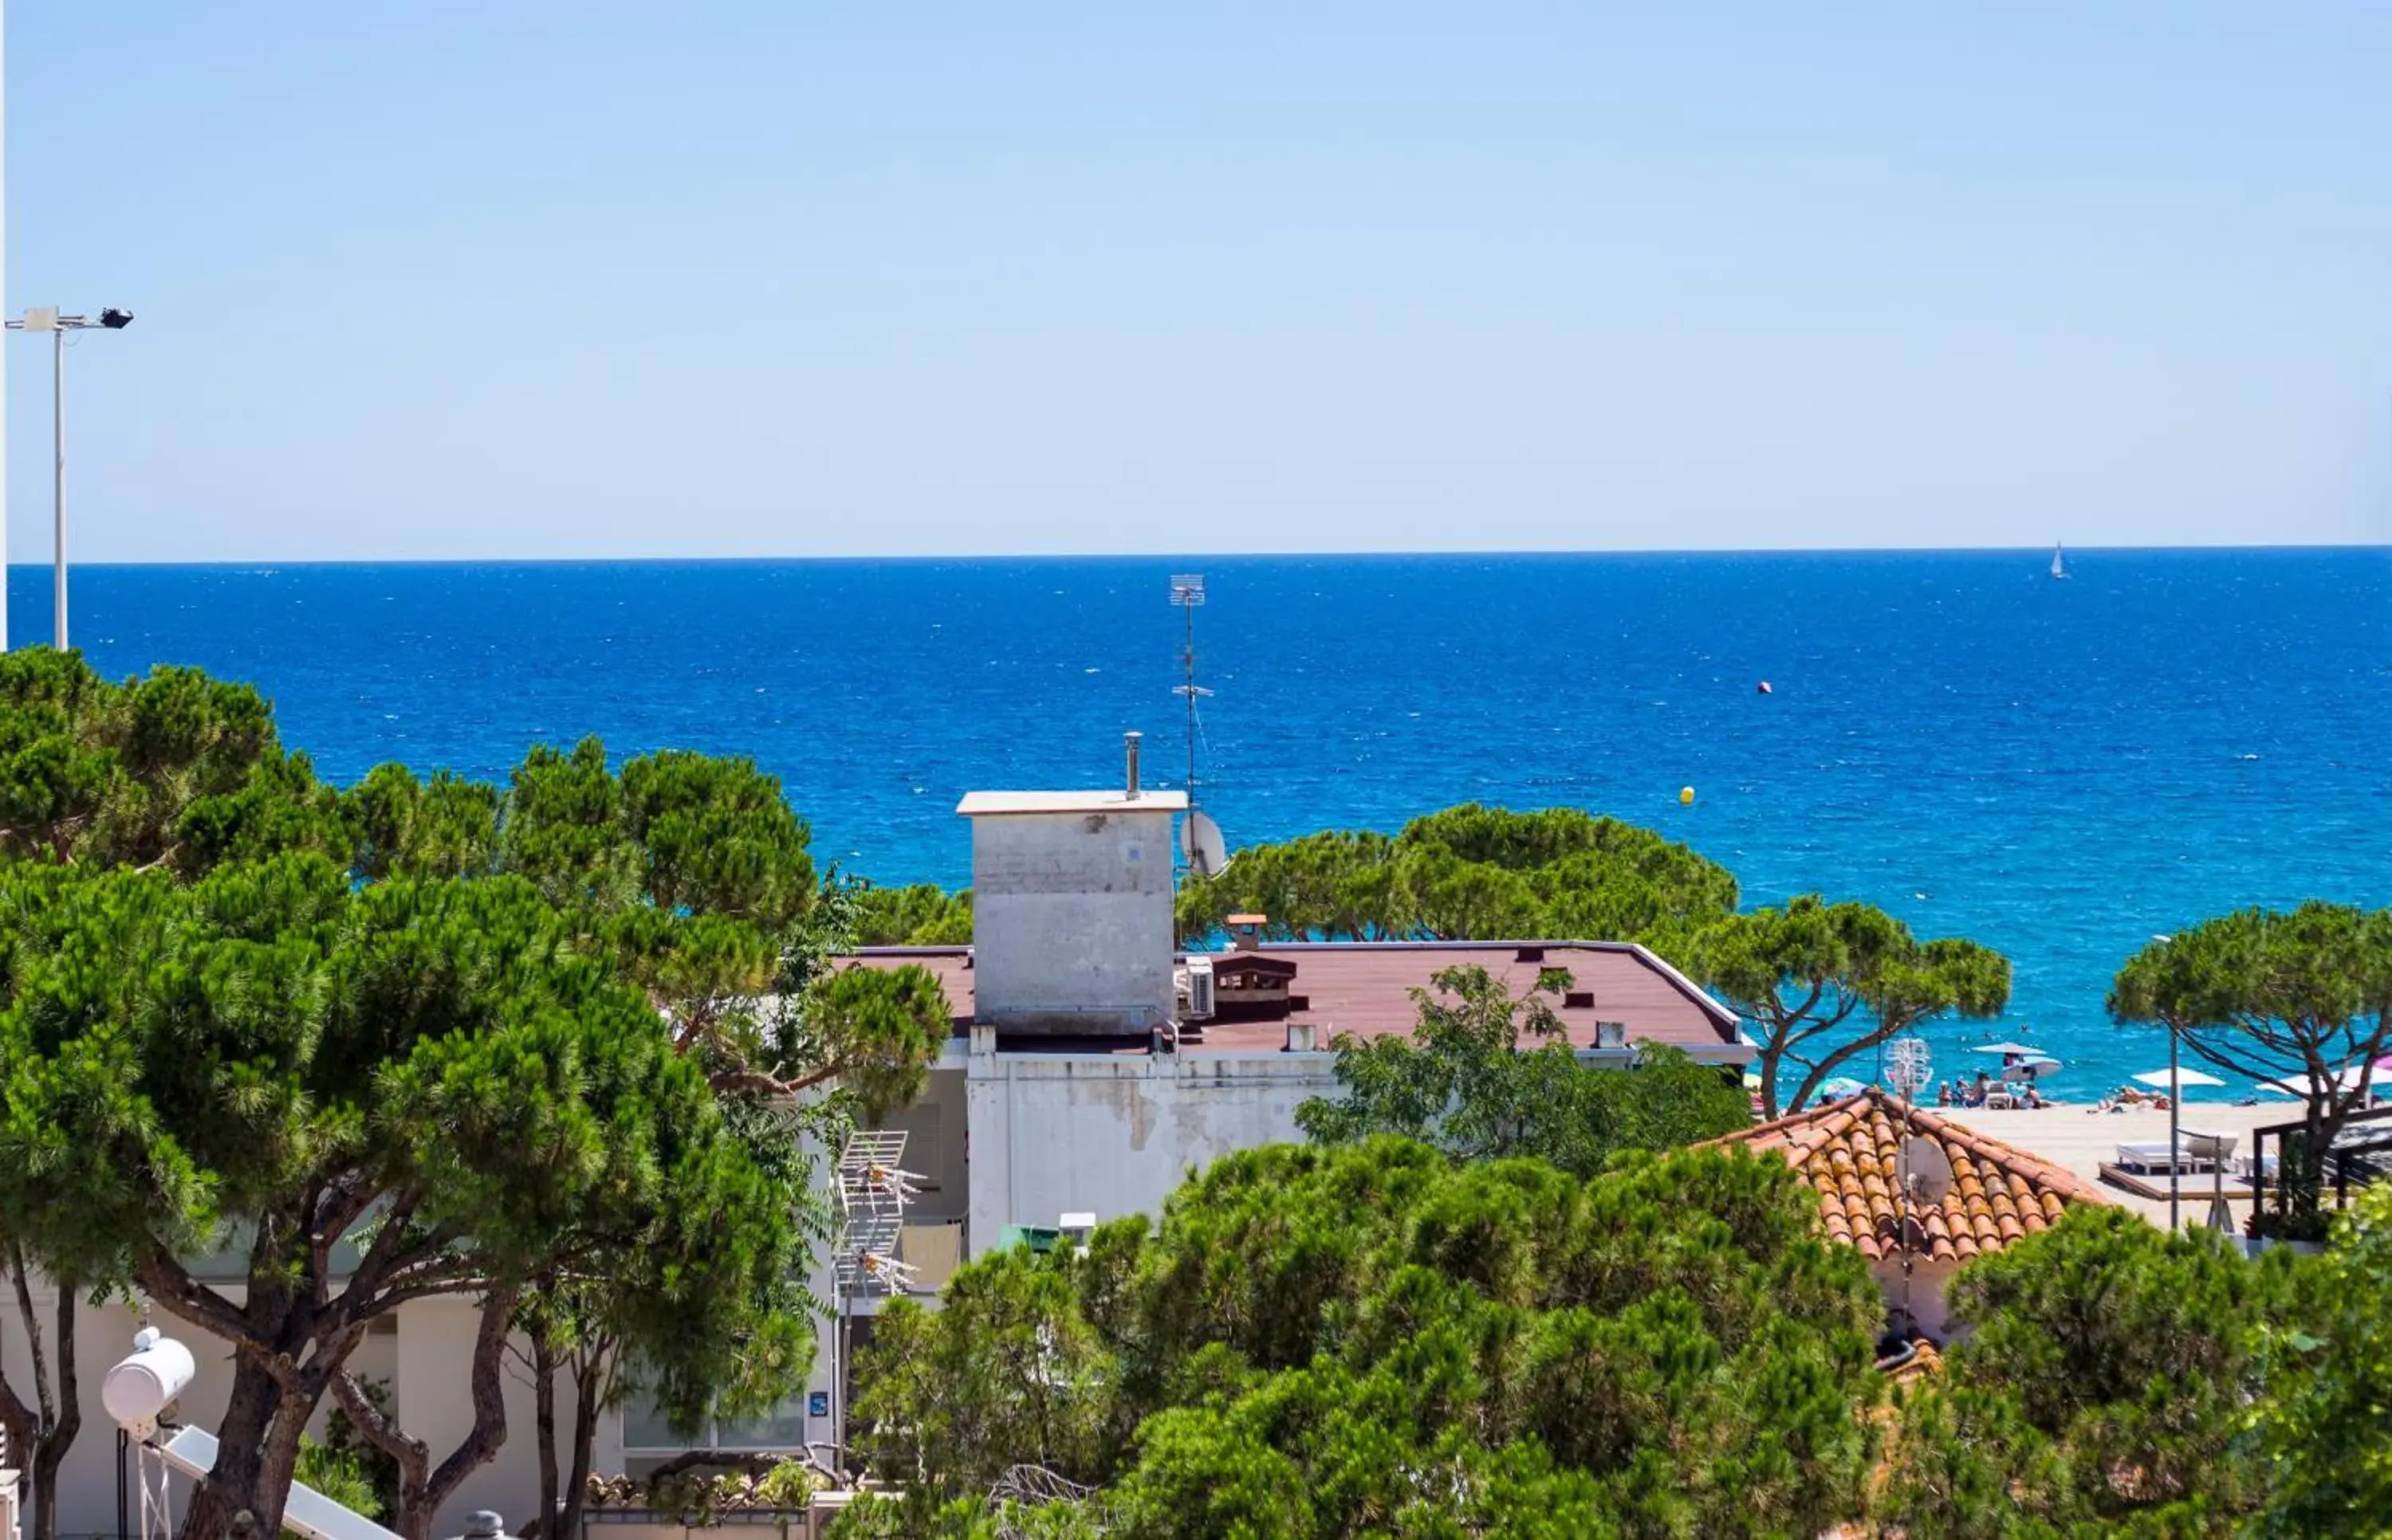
x=1686, y=797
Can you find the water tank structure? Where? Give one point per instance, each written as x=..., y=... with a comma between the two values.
x=1072, y=910
x=140, y=1388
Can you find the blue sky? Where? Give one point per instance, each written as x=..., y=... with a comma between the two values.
x=601, y=280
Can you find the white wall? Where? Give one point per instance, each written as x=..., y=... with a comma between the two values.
x=103, y=1335
x=427, y=1362
x=1112, y=1134
x=1072, y=928
x=934, y=1125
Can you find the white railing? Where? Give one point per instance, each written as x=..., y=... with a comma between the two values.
x=8, y=1480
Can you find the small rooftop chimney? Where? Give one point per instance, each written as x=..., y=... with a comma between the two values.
x=1130, y=742
x=1246, y=931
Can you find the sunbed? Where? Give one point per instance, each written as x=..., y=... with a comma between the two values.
x=2194, y=1152
x=2150, y=1155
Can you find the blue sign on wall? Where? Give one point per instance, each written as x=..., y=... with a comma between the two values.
x=817, y=1404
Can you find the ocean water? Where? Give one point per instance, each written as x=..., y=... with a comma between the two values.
x=2057, y=769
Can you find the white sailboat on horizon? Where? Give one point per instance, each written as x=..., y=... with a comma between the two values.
x=2059, y=567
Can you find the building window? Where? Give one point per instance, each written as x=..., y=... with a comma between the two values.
x=646, y=1431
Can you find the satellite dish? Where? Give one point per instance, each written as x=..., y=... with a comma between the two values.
x=1200, y=841
x=1930, y=1168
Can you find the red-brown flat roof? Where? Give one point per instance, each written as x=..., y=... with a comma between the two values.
x=1365, y=988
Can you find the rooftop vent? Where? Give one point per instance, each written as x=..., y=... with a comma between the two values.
x=1129, y=745
x=1196, y=989
x=1578, y=999
x=1529, y=954
x=1611, y=1034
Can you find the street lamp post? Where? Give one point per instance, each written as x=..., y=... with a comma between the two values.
x=47, y=318
x=2175, y=1116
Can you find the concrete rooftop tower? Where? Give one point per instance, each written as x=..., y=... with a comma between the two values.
x=1072, y=908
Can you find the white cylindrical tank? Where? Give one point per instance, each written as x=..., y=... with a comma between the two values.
x=141, y=1387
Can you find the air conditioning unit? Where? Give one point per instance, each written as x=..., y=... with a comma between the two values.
x=1198, y=993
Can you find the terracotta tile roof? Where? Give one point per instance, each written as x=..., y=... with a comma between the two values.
x=1924, y=1360
x=1849, y=1152
x=1365, y=988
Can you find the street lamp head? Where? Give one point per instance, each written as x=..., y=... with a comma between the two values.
x=115, y=319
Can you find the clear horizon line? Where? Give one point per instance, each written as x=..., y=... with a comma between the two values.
x=39, y=566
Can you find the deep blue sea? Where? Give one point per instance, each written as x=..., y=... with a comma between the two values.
x=2057, y=769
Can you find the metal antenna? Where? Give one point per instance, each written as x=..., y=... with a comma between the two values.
x=1188, y=596
x=874, y=1190
x=1912, y=1068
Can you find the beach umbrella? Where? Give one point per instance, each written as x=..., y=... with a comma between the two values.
x=2158, y=1080
x=1842, y=1086
x=2009, y=1049
x=2346, y=1078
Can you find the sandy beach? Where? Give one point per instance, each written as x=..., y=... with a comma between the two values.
x=2081, y=1140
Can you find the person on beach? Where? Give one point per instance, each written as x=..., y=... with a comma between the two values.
x=1943, y=1094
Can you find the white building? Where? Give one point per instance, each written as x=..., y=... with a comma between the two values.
x=1092, y=1066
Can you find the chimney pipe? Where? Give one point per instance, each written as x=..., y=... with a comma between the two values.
x=1130, y=742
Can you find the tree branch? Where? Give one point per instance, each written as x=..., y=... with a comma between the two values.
x=392, y=1250
x=401, y=1293
x=1837, y=1057
x=354, y=1197
x=381, y=1429
x=175, y=1290
x=32, y=1338
x=489, y=1429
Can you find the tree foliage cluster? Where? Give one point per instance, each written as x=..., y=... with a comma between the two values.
x=1821, y=984
x=1371, y=1340
x=921, y=914
x=2326, y=1425
x=1467, y=873
x=2122, y=1380
x=412, y=1038
x=2103, y=1388
x=2302, y=997
x=1488, y=1075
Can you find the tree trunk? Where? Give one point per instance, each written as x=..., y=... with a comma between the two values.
x=543, y=1383
x=593, y=1381
x=1770, y=1057
x=258, y=1443
x=50, y=1451
x=39, y=1435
